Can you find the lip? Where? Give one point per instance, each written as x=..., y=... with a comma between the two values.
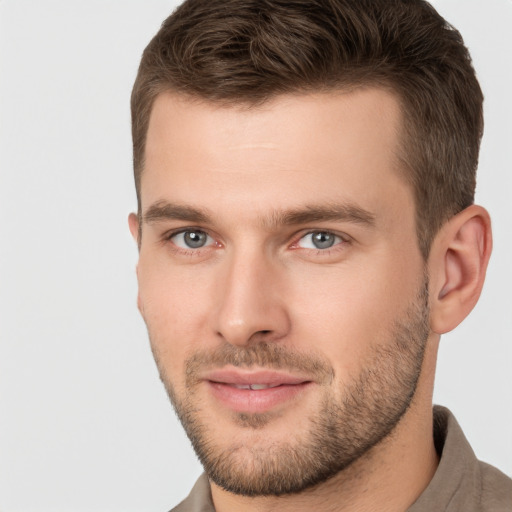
x=285, y=387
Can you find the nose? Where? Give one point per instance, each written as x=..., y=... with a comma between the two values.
x=250, y=300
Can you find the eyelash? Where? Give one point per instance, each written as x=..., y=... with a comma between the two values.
x=188, y=252
x=337, y=247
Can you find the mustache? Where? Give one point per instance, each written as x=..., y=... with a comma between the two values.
x=262, y=354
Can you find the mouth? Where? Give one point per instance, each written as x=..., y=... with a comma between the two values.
x=255, y=391
x=254, y=387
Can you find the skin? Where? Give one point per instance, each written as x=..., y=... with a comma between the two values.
x=260, y=279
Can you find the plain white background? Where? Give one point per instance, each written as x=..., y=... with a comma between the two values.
x=85, y=424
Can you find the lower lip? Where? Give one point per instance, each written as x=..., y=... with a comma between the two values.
x=256, y=400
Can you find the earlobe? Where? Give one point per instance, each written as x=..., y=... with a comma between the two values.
x=458, y=263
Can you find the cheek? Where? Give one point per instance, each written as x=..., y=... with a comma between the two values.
x=174, y=305
x=341, y=324
x=345, y=313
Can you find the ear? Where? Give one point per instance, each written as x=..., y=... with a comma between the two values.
x=457, y=263
x=133, y=223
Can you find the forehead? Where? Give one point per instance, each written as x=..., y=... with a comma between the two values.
x=324, y=147
x=325, y=118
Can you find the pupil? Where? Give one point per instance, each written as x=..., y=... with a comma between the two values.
x=322, y=240
x=195, y=239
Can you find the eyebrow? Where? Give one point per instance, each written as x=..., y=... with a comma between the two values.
x=163, y=210
x=322, y=213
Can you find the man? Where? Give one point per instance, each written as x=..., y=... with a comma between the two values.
x=305, y=176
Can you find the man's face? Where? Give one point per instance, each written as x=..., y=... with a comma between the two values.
x=281, y=281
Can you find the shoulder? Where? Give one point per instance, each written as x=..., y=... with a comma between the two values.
x=462, y=483
x=496, y=489
x=199, y=499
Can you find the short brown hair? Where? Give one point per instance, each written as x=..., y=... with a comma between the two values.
x=248, y=51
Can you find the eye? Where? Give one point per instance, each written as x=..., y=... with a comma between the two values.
x=319, y=240
x=191, y=239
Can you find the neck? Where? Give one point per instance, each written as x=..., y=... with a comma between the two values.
x=390, y=477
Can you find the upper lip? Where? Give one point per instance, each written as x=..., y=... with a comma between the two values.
x=239, y=377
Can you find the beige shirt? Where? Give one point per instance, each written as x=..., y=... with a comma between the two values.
x=460, y=484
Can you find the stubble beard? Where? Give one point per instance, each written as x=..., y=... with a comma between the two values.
x=345, y=427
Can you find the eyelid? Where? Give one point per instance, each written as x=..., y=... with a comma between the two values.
x=344, y=238
x=213, y=239
x=169, y=235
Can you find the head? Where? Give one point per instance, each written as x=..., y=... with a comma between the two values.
x=305, y=173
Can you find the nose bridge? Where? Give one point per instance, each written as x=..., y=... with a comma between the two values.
x=248, y=298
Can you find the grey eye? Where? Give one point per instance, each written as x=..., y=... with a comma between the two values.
x=322, y=240
x=195, y=239
x=319, y=240
x=192, y=239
